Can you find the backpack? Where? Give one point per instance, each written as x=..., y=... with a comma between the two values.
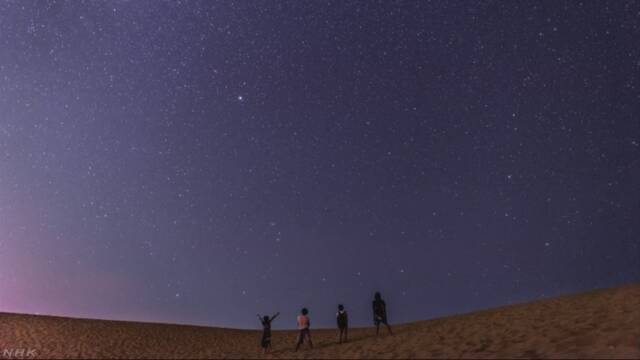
x=342, y=318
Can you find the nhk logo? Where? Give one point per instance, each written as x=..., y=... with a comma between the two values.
x=20, y=353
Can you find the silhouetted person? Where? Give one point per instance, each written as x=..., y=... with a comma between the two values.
x=380, y=313
x=266, y=331
x=343, y=324
x=303, y=326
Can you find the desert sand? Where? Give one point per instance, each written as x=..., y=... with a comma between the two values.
x=597, y=324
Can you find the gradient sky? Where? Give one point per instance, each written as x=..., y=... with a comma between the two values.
x=200, y=162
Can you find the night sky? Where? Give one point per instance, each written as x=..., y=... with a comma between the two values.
x=201, y=162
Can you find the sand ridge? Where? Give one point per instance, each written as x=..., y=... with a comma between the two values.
x=597, y=324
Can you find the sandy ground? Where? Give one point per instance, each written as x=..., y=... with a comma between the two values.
x=597, y=324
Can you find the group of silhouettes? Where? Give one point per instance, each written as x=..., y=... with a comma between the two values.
x=342, y=321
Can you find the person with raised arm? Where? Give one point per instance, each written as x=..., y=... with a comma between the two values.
x=266, y=331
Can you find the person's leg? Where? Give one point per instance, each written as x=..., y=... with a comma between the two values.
x=300, y=339
x=309, y=337
x=388, y=327
x=346, y=331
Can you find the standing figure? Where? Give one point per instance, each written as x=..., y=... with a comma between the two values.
x=303, y=326
x=343, y=323
x=266, y=331
x=380, y=313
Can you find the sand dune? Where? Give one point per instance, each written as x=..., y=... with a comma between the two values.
x=597, y=324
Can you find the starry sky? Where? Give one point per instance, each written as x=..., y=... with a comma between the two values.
x=201, y=162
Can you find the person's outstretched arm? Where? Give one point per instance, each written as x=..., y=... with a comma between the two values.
x=275, y=316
